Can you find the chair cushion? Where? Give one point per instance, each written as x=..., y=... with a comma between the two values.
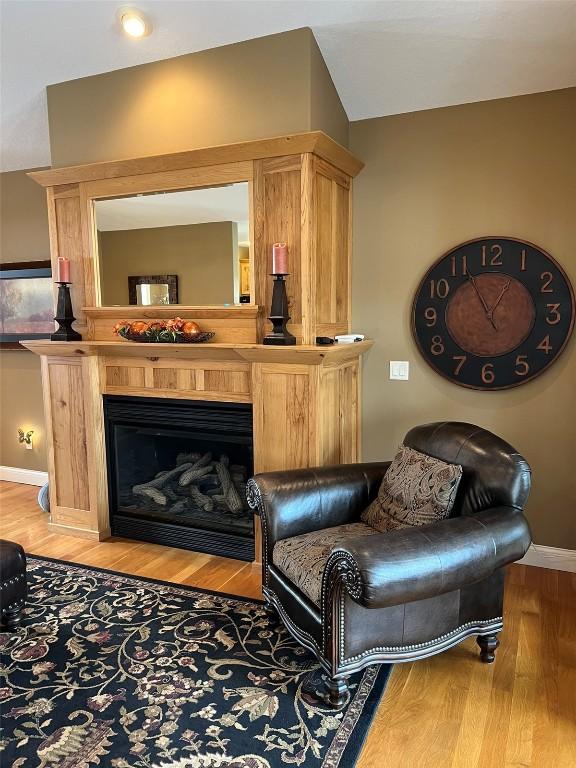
x=302, y=558
x=417, y=489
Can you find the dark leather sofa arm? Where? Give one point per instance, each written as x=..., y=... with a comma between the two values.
x=416, y=563
x=302, y=500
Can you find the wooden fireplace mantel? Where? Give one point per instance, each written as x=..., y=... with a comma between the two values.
x=305, y=398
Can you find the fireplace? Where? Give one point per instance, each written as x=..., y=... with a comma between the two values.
x=177, y=472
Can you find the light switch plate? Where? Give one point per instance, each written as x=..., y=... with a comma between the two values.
x=399, y=370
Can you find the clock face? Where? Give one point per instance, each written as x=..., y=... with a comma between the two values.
x=493, y=313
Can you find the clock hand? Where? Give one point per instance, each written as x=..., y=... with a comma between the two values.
x=499, y=299
x=482, y=300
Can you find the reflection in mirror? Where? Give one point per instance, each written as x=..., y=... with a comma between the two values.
x=152, y=294
x=199, y=236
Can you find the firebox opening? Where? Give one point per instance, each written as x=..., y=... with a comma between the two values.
x=177, y=473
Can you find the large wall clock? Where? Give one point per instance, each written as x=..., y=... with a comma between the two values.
x=493, y=313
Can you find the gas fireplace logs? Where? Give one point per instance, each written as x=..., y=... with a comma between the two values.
x=198, y=481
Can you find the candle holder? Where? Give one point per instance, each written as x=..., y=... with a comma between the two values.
x=65, y=316
x=279, y=316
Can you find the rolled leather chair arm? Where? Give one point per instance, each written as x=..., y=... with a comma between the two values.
x=298, y=501
x=415, y=563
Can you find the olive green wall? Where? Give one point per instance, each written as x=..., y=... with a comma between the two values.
x=23, y=237
x=434, y=179
x=202, y=255
x=252, y=90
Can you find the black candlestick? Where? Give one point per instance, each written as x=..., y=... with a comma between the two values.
x=65, y=316
x=279, y=316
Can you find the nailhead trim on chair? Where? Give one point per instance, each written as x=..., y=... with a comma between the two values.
x=13, y=580
x=13, y=605
x=414, y=646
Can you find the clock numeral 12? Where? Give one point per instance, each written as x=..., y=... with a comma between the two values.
x=495, y=257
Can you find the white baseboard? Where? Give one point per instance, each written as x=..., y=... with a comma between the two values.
x=19, y=475
x=550, y=557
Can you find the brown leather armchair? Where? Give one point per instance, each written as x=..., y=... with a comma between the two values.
x=406, y=594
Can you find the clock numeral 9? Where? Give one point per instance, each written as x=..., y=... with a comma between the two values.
x=547, y=278
x=437, y=346
x=553, y=318
x=522, y=367
x=431, y=316
x=495, y=257
x=439, y=288
x=488, y=373
x=545, y=345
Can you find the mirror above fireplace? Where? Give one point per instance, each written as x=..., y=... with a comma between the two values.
x=199, y=237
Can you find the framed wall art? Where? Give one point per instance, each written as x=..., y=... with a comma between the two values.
x=26, y=302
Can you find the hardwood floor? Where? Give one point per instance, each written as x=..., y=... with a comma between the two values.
x=450, y=711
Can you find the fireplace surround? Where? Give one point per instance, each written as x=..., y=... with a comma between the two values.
x=177, y=473
x=304, y=399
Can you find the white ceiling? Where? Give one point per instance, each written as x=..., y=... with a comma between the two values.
x=169, y=209
x=385, y=56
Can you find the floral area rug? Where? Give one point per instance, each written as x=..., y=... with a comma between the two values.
x=113, y=670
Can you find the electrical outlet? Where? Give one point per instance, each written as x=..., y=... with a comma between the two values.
x=399, y=370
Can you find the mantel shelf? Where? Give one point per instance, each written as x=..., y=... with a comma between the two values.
x=252, y=353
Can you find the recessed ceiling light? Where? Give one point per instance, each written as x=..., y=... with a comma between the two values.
x=134, y=24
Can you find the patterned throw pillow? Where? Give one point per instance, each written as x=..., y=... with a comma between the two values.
x=417, y=489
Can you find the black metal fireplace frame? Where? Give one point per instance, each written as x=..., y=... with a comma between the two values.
x=197, y=415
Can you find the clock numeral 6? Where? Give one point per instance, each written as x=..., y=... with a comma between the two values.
x=546, y=278
x=522, y=367
x=439, y=288
x=545, y=345
x=553, y=316
x=488, y=373
x=461, y=360
x=437, y=346
x=430, y=316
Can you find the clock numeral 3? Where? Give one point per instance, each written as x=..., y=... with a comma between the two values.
x=461, y=360
x=545, y=345
x=553, y=317
x=495, y=259
x=437, y=347
x=522, y=367
x=488, y=373
x=439, y=288
x=547, y=278
x=430, y=316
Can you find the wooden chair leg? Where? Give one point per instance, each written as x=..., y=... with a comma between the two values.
x=337, y=692
x=488, y=645
x=12, y=618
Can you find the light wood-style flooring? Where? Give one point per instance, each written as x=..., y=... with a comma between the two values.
x=450, y=711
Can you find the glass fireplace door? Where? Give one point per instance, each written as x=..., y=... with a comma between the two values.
x=178, y=471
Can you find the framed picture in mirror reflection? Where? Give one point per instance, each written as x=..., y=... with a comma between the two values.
x=153, y=290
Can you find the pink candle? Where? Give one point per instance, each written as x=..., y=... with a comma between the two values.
x=279, y=259
x=63, y=275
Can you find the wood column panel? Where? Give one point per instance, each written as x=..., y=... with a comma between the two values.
x=76, y=454
x=277, y=217
x=68, y=238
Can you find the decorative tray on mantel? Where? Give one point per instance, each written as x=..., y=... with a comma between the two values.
x=176, y=331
